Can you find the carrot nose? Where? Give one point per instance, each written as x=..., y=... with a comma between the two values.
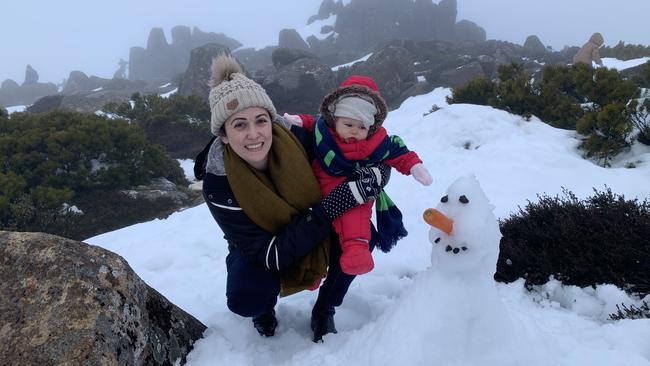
x=438, y=220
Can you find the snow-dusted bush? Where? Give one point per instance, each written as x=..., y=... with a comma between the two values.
x=602, y=239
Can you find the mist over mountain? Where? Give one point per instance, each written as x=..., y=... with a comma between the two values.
x=56, y=38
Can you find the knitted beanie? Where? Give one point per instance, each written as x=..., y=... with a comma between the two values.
x=231, y=92
x=356, y=108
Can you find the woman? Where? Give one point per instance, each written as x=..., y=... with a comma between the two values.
x=261, y=191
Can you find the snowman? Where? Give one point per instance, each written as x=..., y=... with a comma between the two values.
x=464, y=232
x=452, y=312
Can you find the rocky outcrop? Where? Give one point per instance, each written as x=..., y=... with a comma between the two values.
x=326, y=8
x=534, y=47
x=445, y=20
x=254, y=60
x=12, y=94
x=67, y=302
x=391, y=67
x=285, y=56
x=469, y=31
x=459, y=76
x=289, y=38
x=298, y=87
x=163, y=60
x=31, y=76
x=79, y=81
x=196, y=77
x=78, y=97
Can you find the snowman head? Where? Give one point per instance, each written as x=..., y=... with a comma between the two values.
x=464, y=231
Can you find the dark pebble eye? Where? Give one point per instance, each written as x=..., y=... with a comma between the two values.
x=444, y=199
x=437, y=240
x=463, y=199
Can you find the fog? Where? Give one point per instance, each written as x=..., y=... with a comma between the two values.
x=58, y=37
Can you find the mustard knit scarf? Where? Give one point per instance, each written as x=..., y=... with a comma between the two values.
x=272, y=198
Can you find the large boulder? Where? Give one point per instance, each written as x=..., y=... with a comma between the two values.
x=196, y=78
x=298, y=87
x=65, y=302
x=391, y=67
x=31, y=76
x=79, y=81
x=254, y=60
x=445, y=20
x=469, y=31
x=326, y=8
x=534, y=47
x=285, y=56
x=461, y=75
x=200, y=38
x=289, y=38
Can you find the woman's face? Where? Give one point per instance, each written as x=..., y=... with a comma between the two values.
x=249, y=134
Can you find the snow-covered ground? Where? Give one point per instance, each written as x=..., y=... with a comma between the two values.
x=617, y=64
x=392, y=315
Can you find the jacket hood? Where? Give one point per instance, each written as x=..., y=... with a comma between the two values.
x=346, y=90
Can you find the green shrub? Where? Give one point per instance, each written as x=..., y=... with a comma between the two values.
x=602, y=239
x=624, y=51
x=47, y=158
x=478, y=91
x=179, y=123
x=596, y=103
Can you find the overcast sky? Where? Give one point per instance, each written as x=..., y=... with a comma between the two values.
x=56, y=37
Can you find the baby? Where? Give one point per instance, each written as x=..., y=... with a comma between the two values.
x=348, y=135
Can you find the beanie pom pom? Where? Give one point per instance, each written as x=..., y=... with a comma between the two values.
x=223, y=67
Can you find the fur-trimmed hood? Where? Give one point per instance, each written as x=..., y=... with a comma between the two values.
x=349, y=88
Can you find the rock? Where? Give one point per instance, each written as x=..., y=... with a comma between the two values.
x=78, y=81
x=298, y=87
x=31, y=76
x=445, y=20
x=469, y=31
x=46, y=104
x=67, y=302
x=285, y=56
x=181, y=46
x=157, y=189
x=460, y=76
x=327, y=7
x=391, y=67
x=289, y=38
x=200, y=38
x=196, y=78
x=9, y=85
x=137, y=63
x=534, y=47
x=254, y=60
x=121, y=72
x=160, y=62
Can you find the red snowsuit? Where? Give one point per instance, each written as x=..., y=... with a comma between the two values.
x=354, y=225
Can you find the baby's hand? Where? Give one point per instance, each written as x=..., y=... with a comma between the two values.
x=421, y=174
x=293, y=119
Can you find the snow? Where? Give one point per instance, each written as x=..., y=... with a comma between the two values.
x=364, y=58
x=188, y=168
x=16, y=109
x=617, y=64
x=407, y=311
x=169, y=93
